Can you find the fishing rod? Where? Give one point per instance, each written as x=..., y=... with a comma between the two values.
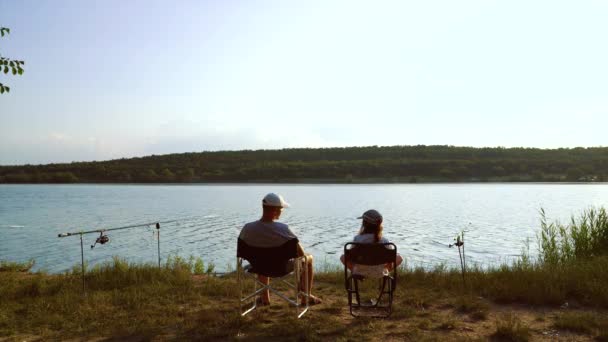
x=103, y=239
x=117, y=228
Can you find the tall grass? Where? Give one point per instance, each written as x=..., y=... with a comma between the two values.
x=510, y=328
x=570, y=267
x=584, y=237
x=12, y=266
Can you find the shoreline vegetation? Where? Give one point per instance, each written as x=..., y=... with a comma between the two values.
x=358, y=165
x=561, y=294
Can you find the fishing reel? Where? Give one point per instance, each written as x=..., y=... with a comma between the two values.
x=102, y=240
x=458, y=242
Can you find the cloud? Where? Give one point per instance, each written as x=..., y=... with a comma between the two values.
x=188, y=136
x=58, y=147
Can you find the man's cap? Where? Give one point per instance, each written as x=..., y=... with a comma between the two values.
x=371, y=216
x=274, y=200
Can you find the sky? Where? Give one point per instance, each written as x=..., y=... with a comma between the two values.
x=112, y=79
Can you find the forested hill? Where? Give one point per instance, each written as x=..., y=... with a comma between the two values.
x=350, y=164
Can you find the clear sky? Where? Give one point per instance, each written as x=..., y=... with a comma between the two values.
x=111, y=79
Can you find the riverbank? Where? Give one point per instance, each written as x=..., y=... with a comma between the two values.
x=338, y=181
x=141, y=302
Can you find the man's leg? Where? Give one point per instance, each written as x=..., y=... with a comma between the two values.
x=309, y=268
x=266, y=293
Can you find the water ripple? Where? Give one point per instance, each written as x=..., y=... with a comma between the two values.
x=421, y=219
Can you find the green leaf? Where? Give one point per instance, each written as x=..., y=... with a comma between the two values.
x=14, y=71
x=1, y=90
x=20, y=71
x=12, y=63
x=5, y=69
x=7, y=89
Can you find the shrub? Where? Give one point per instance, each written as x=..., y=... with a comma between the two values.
x=510, y=328
x=12, y=266
x=581, y=322
x=583, y=238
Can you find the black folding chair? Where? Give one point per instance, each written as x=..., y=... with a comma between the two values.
x=370, y=254
x=277, y=263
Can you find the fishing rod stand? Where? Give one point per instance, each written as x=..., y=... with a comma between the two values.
x=103, y=239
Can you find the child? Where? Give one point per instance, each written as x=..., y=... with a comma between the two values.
x=370, y=232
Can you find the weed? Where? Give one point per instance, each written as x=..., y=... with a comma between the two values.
x=583, y=238
x=424, y=324
x=577, y=322
x=510, y=328
x=12, y=266
x=477, y=309
x=199, y=266
x=448, y=324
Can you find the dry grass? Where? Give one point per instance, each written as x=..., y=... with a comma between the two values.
x=11, y=266
x=142, y=302
x=510, y=328
x=581, y=322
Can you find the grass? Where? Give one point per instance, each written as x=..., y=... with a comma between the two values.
x=510, y=328
x=141, y=301
x=182, y=301
x=11, y=266
x=581, y=322
x=476, y=308
x=584, y=237
x=538, y=284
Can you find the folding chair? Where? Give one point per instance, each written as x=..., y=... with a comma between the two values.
x=277, y=263
x=370, y=255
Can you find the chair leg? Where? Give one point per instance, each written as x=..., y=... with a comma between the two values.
x=302, y=293
x=357, y=296
x=385, y=287
x=381, y=291
x=296, y=268
x=240, y=274
x=240, y=280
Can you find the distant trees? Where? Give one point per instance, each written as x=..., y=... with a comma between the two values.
x=574, y=173
x=38, y=177
x=347, y=165
x=7, y=64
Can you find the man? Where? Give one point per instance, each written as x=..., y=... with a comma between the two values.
x=268, y=232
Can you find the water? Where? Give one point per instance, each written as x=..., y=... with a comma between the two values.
x=422, y=219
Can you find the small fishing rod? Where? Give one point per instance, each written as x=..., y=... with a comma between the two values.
x=117, y=228
x=102, y=239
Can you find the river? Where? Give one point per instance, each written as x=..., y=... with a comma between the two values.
x=422, y=219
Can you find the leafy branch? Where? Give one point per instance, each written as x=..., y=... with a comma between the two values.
x=9, y=65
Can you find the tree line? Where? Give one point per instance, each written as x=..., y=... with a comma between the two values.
x=349, y=164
